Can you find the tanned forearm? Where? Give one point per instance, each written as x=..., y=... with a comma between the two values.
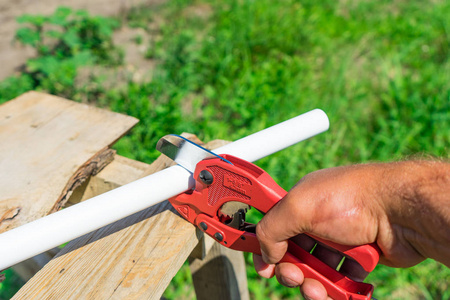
x=419, y=208
x=404, y=207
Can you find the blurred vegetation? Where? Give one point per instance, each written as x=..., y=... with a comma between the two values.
x=225, y=69
x=64, y=42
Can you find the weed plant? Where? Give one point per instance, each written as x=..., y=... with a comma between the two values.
x=380, y=69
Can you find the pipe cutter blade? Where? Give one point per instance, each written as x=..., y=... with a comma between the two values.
x=184, y=152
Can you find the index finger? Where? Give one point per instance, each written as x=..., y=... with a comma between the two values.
x=276, y=227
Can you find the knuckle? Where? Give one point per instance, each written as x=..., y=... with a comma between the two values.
x=261, y=232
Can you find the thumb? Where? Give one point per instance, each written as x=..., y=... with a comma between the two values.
x=275, y=228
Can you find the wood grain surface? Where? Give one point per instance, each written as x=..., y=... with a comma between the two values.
x=134, y=258
x=48, y=146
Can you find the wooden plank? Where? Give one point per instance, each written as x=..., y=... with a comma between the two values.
x=117, y=261
x=49, y=145
x=133, y=258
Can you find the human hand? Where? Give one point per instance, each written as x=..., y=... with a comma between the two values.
x=352, y=205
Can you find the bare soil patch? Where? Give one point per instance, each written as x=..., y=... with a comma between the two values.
x=13, y=55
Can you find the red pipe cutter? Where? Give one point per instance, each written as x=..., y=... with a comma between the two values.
x=226, y=186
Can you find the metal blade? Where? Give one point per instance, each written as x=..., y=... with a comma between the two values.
x=184, y=152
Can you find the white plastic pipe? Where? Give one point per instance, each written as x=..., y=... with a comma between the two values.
x=46, y=233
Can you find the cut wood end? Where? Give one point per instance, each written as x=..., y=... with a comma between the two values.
x=90, y=168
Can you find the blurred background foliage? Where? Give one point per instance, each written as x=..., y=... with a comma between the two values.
x=225, y=69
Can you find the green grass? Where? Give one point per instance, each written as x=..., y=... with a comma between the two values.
x=380, y=69
x=11, y=285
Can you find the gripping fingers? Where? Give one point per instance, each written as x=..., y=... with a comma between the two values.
x=263, y=269
x=313, y=290
x=289, y=275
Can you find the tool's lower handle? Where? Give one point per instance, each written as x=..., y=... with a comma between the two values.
x=337, y=285
x=365, y=255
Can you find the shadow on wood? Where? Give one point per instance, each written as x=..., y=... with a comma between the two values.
x=220, y=275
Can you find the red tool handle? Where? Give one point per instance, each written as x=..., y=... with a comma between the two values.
x=245, y=182
x=338, y=286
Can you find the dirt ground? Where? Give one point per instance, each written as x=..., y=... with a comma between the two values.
x=13, y=55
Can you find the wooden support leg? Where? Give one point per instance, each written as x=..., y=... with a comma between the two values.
x=220, y=274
